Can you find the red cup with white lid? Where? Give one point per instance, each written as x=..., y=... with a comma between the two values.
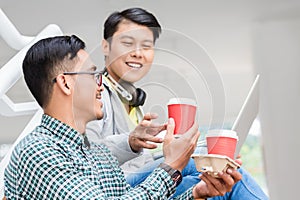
x=221, y=142
x=183, y=111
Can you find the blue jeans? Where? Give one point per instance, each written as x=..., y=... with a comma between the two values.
x=189, y=174
x=246, y=189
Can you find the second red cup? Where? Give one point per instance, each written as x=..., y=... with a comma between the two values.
x=183, y=111
x=221, y=142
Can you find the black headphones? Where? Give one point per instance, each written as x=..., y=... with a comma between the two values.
x=127, y=92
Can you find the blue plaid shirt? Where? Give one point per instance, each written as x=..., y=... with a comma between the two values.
x=53, y=162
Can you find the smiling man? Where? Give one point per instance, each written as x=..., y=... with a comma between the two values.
x=128, y=47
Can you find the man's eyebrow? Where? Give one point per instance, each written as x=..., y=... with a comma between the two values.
x=126, y=37
x=132, y=38
x=147, y=40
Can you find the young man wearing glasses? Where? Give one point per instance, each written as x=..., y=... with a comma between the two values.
x=56, y=161
x=128, y=46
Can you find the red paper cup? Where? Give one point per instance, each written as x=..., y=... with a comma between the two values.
x=221, y=142
x=183, y=111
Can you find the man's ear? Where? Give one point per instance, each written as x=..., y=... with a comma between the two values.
x=63, y=84
x=105, y=47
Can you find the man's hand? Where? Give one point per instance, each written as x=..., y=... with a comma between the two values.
x=178, y=151
x=144, y=132
x=210, y=186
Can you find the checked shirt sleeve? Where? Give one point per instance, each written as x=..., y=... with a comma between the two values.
x=159, y=185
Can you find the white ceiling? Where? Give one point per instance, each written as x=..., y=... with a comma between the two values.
x=222, y=28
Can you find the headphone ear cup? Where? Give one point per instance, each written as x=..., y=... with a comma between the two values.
x=140, y=97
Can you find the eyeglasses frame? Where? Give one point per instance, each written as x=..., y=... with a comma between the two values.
x=97, y=75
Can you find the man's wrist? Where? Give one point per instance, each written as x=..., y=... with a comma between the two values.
x=194, y=195
x=131, y=142
x=176, y=175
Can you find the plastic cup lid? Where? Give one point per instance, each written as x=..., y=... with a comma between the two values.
x=222, y=133
x=186, y=101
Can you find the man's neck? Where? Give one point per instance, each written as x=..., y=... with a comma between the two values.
x=78, y=125
x=115, y=78
x=113, y=75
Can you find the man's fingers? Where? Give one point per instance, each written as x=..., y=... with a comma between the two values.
x=146, y=145
x=153, y=131
x=170, y=130
x=150, y=124
x=149, y=145
x=150, y=116
x=217, y=185
x=212, y=191
x=155, y=139
x=192, y=131
x=236, y=175
x=239, y=161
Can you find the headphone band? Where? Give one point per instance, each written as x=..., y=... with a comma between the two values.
x=118, y=87
x=134, y=98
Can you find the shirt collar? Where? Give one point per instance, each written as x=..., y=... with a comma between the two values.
x=62, y=131
x=107, y=83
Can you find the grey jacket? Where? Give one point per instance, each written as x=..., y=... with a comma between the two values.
x=113, y=130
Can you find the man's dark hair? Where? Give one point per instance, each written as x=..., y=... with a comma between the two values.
x=136, y=15
x=45, y=60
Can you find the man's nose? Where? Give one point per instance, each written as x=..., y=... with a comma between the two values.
x=137, y=52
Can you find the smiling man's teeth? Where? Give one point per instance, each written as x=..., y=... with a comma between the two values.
x=134, y=65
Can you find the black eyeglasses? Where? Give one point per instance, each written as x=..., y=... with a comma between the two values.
x=97, y=76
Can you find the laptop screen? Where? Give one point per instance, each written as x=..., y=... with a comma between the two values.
x=247, y=115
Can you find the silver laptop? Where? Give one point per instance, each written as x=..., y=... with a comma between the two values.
x=247, y=115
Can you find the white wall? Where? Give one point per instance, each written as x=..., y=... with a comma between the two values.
x=277, y=50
